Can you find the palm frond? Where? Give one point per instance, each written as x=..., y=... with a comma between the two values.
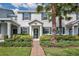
x=39, y=8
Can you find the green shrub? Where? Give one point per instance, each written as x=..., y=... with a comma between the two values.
x=45, y=37
x=18, y=41
x=23, y=37
x=8, y=44
x=46, y=43
x=60, y=37
x=22, y=44
x=1, y=44
x=62, y=40
x=67, y=37
x=16, y=44
x=5, y=36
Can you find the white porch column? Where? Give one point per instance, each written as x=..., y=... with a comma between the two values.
x=72, y=30
x=40, y=30
x=30, y=30
x=9, y=29
x=19, y=30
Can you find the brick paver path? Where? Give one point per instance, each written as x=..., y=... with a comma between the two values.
x=36, y=49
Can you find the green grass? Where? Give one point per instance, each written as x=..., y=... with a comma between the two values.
x=62, y=51
x=15, y=51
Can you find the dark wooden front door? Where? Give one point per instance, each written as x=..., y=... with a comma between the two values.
x=14, y=31
x=35, y=33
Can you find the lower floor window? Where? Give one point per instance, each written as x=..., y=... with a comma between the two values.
x=63, y=30
x=25, y=30
x=58, y=30
x=70, y=31
x=14, y=31
x=46, y=30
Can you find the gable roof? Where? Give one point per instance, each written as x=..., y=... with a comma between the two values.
x=7, y=10
x=72, y=23
x=35, y=21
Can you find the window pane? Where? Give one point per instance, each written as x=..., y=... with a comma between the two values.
x=24, y=30
x=70, y=31
x=26, y=16
x=63, y=30
x=77, y=16
x=0, y=28
x=44, y=16
x=46, y=30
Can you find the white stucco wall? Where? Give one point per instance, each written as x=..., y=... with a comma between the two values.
x=3, y=28
x=34, y=16
x=75, y=30
x=46, y=23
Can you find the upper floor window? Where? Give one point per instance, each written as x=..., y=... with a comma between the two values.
x=13, y=16
x=0, y=28
x=77, y=16
x=44, y=16
x=26, y=16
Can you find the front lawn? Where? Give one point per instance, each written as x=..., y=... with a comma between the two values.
x=15, y=51
x=74, y=51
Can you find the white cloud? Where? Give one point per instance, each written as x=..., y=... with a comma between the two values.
x=17, y=4
x=25, y=5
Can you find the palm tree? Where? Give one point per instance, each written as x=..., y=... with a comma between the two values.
x=60, y=10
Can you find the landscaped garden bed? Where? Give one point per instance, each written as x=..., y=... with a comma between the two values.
x=18, y=41
x=62, y=41
x=17, y=45
x=65, y=45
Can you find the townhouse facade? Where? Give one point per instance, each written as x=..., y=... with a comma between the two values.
x=33, y=23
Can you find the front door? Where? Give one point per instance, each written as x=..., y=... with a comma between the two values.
x=35, y=33
x=14, y=31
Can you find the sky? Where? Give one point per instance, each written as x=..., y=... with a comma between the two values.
x=18, y=6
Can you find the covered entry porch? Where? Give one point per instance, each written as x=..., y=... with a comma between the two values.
x=35, y=28
x=9, y=28
x=72, y=28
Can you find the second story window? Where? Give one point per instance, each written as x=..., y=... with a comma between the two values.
x=44, y=16
x=77, y=16
x=26, y=16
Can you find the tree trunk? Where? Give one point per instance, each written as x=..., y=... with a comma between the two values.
x=53, y=39
x=60, y=25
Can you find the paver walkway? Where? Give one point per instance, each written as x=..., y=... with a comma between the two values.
x=36, y=49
